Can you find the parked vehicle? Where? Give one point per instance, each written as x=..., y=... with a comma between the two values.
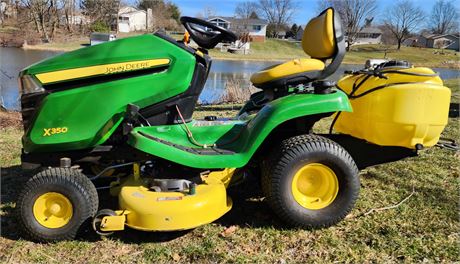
x=121, y=113
x=98, y=38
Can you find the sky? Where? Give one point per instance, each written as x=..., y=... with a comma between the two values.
x=307, y=10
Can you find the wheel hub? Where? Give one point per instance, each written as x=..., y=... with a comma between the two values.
x=52, y=210
x=315, y=186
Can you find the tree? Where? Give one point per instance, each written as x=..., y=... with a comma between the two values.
x=245, y=10
x=68, y=8
x=146, y=4
x=353, y=14
x=44, y=14
x=102, y=12
x=444, y=17
x=254, y=15
x=2, y=12
x=402, y=19
x=292, y=33
x=209, y=11
x=174, y=11
x=165, y=14
x=278, y=13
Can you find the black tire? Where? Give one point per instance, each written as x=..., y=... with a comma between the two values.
x=74, y=186
x=294, y=153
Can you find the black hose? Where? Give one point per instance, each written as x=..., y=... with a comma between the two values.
x=376, y=73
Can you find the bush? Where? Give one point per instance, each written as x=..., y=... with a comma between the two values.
x=99, y=26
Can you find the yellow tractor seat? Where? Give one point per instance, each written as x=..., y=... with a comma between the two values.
x=322, y=40
x=292, y=67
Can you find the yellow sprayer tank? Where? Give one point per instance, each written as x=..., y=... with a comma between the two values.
x=409, y=108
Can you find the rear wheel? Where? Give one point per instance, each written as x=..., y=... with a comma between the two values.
x=310, y=181
x=55, y=203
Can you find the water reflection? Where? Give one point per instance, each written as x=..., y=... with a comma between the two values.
x=12, y=61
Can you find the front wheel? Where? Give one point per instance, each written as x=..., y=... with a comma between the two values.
x=55, y=203
x=310, y=181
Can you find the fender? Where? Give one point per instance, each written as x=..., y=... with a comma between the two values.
x=244, y=138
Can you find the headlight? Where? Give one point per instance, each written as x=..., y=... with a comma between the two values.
x=27, y=85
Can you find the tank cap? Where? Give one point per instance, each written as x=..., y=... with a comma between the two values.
x=396, y=63
x=323, y=86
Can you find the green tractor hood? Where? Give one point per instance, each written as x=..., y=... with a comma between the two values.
x=85, y=93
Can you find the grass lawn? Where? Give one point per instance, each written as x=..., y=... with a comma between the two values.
x=418, y=56
x=424, y=228
x=282, y=50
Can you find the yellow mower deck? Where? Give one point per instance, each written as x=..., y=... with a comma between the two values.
x=147, y=210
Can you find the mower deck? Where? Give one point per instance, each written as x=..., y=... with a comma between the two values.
x=145, y=208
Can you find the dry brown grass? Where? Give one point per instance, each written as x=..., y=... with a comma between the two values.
x=236, y=92
x=10, y=119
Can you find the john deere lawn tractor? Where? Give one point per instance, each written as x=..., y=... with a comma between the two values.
x=119, y=116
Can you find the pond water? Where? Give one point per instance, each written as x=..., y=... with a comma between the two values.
x=12, y=60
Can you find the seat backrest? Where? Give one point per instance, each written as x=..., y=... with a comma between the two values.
x=323, y=39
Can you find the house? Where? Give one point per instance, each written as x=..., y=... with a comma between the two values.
x=132, y=19
x=368, y=35
x=437, y=41
x=257, y=28
x=281, y=34
x=411, y=42
x=446, y=41
x=76, y=19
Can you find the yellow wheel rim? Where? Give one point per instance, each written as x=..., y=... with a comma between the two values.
x=53, y=210
x=315, y=186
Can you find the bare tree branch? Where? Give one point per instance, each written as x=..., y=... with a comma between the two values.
x=402, y=19
x=353, y=14
x=444, y=17
x=246, y=9
x=278, y=13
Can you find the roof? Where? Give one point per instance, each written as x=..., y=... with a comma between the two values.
x=128, y=10
x=436, y=36
x=370, y=30
x=445, y=35
x=234, y=20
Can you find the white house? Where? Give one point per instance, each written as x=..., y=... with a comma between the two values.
x=77, y=19
x=368, y=35
x=131, y=19
x=445, y=41
x=257, y=28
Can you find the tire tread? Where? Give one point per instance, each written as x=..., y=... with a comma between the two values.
x=273, y=173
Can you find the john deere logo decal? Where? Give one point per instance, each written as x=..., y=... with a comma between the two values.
x=91, y=71
x=128, y=67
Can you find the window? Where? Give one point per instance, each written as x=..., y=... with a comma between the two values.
x=257, y=27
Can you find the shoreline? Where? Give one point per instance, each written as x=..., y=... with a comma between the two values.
x=453, y=65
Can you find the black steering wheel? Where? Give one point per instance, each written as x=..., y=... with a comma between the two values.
x=206, y=39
